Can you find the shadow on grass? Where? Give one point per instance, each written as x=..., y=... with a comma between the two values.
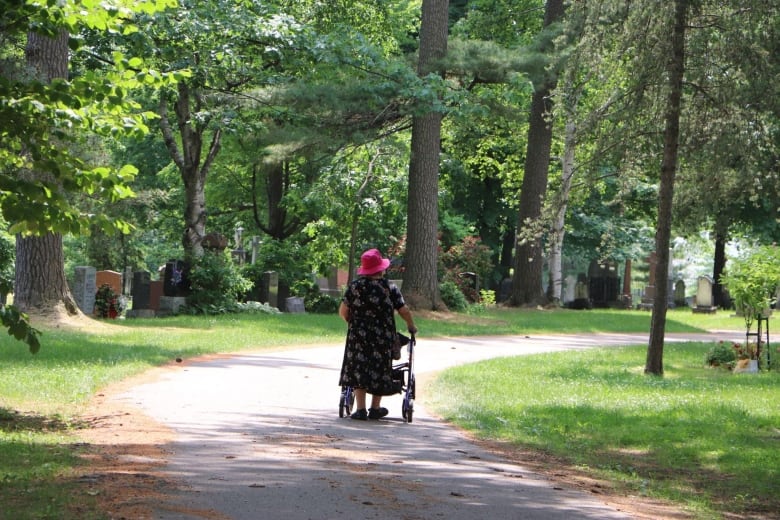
x=18, y=422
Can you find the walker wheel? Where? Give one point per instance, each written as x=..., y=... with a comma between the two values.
x=346, y=402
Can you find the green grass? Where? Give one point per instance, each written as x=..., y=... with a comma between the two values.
x=41, y=396
x=701, y=437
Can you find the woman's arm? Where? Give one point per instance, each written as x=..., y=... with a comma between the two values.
x=406, y=314
x=344, y=311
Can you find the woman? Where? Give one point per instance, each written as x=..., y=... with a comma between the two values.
x=368, y=308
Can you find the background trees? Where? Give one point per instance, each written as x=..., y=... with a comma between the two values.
x=303, y=122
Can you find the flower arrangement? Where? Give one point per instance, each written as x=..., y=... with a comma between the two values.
x=746, y=351
x=108, y=304
x=732, y=355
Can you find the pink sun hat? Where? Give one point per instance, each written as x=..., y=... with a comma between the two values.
x=371, y=262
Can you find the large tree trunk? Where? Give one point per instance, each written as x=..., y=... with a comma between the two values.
x=676, y=70
x=40, y=282
x=40, y=275
x=527, y=280
x=420, y=282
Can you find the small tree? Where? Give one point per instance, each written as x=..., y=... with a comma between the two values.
x=752, y=282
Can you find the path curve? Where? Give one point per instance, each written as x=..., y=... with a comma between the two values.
x=258, y=437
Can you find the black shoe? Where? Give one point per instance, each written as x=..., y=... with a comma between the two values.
x=377, y=413
x=360, y=415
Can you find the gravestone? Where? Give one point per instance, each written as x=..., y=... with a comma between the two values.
x=603, y=283
x=84, y=288
x=111, y=278
x=648, y=296
x=155, y=293
x=704, y=295
x=294, y=304
x=679, y=294
x=175, y=282
x=569, y=284
x=127, y=288
x=581, y=297
x=142, y=281
x=269, y=289
x=170, y=305
x=141, y=294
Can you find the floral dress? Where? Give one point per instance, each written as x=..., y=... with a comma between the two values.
x=367, y=356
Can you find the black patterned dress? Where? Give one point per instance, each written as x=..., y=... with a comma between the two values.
x=368, y=359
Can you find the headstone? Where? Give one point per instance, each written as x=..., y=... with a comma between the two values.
x=627, y=279
x=603, y=283
x=155, y=293
x=141, y=290
x=569, y=284
x=127, y=279
x=704, y=292
x=704, y=295
x=175, y=281
x=111, y=278
x=581, y=296
x=294, y=304
x=269, y=289
x=679, y=294
x=84, y=288
x=171, y=304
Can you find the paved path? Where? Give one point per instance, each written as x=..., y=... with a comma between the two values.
x=259, y=437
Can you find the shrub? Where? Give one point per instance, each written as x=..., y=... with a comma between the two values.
x=467, y=264
x=721, y=354
x=453, y=297
x=313, y=299
x=216, y=284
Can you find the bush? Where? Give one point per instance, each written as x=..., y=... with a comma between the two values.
x=453, y=297
x=216, y=284
x=313, y=299
x=721, y=354
x=468, y=265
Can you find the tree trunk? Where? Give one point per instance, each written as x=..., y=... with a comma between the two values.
x=40, y=275
x=527, y=280
x=187, y=158
x=719, y=265
x=558, y=229
x=40, y=282
x=676, y=70
x=420, y=282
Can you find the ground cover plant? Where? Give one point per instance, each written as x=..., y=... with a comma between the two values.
x=43, y=395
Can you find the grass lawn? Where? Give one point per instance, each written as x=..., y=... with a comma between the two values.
x=41, y=397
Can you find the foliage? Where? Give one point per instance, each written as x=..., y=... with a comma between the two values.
x=289, y=259
x=7, y=254
x=256, y=307
x=216, y=283
x=467, y=265
x=721, y=354
x=452, y=296
x=44, y=119
x=18, y=325
x=746, y=350
x=753, y=281
x=314, y=300
x=108, y=304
